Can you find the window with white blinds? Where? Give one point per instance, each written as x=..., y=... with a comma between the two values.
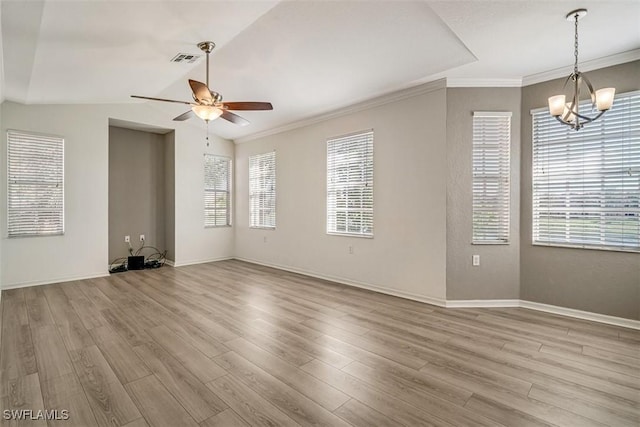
x=217, y=191
x=350, y=185
x=586, y=184
x=491, y=173
x=35, y=184
x=262, y=190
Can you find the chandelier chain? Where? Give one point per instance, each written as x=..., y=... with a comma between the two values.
x=575, y=45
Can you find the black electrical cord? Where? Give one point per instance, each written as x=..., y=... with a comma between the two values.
x=154, y=260
x=157, y=256
x=119, y=268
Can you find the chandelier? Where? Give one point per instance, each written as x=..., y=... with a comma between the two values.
x=568, y=113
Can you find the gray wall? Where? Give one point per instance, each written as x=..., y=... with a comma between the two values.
x=407, y=254
x=498, y=276
x=136, y=189
x=592, y=280
x=169, y=195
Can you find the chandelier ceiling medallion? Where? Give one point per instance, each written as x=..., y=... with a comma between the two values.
x=568, y=113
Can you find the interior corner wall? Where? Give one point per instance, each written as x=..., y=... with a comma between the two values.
x=81, y=252
x=407, y=255
x=498, y=276
x=169, y=195
x=136, y=190
x=604, y=282
x=3, y=171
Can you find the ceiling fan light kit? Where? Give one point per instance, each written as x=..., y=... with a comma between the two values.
x=568, y=113
x=208, y=104
x=206, y=112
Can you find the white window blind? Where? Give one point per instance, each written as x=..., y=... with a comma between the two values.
x=491, y=170
x=262, y=190
x=217, y=191
x=35, y=184
x=350, y=184
x=586, y=184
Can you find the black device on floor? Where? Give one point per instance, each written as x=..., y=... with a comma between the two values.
x=135, y=262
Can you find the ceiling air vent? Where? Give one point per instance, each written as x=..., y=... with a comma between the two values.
x=185, y=58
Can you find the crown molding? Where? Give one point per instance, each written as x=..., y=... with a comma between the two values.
x=354, y=108
x=594, y=64
x=470, y=82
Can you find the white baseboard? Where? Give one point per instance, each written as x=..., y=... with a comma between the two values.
x=579, y=314
x=483, y=303
x=56, y=280
x=198, y=261
x=407, y=295
x=569, y=312
x=170, y=263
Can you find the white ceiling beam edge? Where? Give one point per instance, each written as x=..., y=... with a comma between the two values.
x=470, y=82
x=594, y=64
x=350, y=109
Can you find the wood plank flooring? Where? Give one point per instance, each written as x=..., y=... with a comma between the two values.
x=236, y=344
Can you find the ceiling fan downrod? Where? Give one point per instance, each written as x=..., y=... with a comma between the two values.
x=207, y=47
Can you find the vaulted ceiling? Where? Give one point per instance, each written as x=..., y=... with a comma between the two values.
x=306, y=57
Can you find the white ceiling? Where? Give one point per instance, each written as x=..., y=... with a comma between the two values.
x=306, y=57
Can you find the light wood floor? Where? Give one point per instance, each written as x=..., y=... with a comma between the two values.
x=235, y=344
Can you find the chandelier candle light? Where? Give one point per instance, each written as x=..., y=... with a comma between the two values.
x=568, y=113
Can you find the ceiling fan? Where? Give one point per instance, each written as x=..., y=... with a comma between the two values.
x=208, y=104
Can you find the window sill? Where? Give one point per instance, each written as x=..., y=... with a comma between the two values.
x=363, y=236
x=491, y=243
x=21, y=236
x=256, y=227
x=597, y=248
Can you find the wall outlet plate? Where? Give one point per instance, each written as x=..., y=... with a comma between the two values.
x=475, y=260
x=142, y=237
x=127, y=239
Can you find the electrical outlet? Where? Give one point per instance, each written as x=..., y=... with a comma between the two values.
x=127, y=239
x=475, y=260
x=350, y=250
x=142, y=237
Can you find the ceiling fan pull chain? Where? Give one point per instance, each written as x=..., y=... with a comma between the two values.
x=207, y=138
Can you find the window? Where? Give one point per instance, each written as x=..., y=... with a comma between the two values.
x=586, y=184
x=262, y=190
x=350, y=185
x=491, y=169
x=217, y=191
x=35, y=184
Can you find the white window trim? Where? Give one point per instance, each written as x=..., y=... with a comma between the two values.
x=350, y=234
x=507, y=219
x=568, y=245
x=275, y=191
x=229, y=192
x=62, y=208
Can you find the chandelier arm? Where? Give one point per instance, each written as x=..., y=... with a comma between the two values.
x=592, y=93
x=564, y=122
x=591, y=119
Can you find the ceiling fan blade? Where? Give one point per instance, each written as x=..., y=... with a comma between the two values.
x=162, y=99
x=248, y=105
x=201, y=92
x=234, y=118
x=185, y=116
